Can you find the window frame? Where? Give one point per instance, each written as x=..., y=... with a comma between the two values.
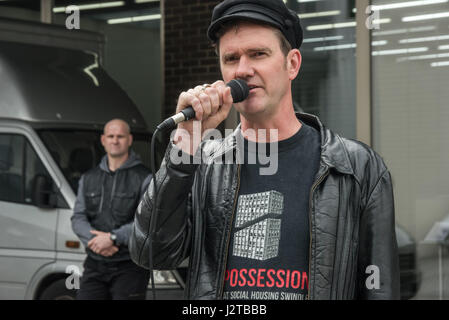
x=364, y=118
x=41, y=152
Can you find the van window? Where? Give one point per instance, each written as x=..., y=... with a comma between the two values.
x=77, y=151
x=33, y=168
x=11, y=168
x=19, y=166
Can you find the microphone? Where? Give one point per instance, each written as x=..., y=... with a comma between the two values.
x=239, y=92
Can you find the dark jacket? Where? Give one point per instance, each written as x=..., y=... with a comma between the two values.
x=351, y=218
x=107, y=201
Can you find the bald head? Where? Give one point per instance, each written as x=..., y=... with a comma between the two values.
x=117, y=122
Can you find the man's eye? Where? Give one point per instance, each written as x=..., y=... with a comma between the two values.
x=231, y=59
x=259, y=54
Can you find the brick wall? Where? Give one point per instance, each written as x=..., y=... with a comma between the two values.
x=189, y=58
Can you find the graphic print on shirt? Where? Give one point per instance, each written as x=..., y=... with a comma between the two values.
x=256, y=242
x=259, y=222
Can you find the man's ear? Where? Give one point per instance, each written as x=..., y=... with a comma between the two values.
x=103, y=137
x=130, y=140
x=294, y=60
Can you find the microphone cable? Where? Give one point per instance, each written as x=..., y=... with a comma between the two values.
x=153, y=220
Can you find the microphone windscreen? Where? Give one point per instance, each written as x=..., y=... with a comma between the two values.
x=239, y=90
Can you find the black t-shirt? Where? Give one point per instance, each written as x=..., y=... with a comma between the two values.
x=268, y=255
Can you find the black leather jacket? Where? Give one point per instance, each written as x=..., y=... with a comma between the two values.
x=351, y=221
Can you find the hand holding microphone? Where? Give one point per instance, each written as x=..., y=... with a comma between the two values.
x=239, y=92
x=209, y=104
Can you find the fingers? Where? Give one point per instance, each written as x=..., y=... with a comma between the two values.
x=225, y=102
x=100, y=242
x=104, y=251
x=93, y=245
x=206, y=100
x=225, y=97
x=215, y=99
x=94, y=239
x=109, y=251
x=95, y=248
x=187, y=99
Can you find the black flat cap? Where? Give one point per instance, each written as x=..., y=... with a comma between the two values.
x=271, y=12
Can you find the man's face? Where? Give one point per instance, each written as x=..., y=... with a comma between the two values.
x=116, y=139
x=253, y=53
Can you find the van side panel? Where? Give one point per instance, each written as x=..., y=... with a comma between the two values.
x=65, y=233
x=27, y=238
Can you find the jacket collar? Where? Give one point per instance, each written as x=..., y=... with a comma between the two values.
x=333, y=152
x=132, y=161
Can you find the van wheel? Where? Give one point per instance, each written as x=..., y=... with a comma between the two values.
x=58, y=291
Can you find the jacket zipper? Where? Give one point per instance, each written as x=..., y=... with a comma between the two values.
x=113, y=185
x=101, y=199
x=314, y=186
x=102, y=194
x=229, y=234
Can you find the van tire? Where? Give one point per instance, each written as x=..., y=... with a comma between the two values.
x=58, y=291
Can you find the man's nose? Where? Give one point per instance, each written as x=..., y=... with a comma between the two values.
x=244, y=69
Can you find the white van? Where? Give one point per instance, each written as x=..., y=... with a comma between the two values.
x=54, y=103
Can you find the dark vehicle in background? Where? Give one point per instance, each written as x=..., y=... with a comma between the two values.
x=409, y=273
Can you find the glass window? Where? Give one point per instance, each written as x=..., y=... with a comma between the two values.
x=33, y=168
x=19, y=167
x=75, y=152
x=326, y=84
x=11, y=168
x=410, y=115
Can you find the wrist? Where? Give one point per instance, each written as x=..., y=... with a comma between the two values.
x=113, y=238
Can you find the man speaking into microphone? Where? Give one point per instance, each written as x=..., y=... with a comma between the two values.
x=320, y=227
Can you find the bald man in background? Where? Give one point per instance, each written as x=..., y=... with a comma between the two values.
x=107, y=198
